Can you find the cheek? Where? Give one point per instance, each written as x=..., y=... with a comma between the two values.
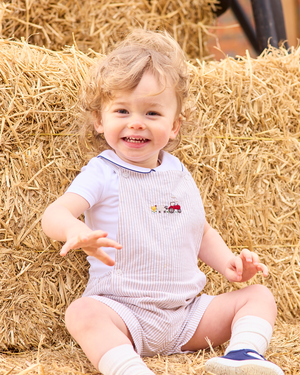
x=112, y=134
x=166, y=131
x=109, y=136
x=163, y=137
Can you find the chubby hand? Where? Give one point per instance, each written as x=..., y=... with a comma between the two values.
x=91, y=244
x=244, y=266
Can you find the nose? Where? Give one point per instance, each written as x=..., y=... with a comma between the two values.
x=136, y=123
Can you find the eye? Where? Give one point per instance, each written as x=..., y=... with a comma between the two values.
x=122, y=111
x=153, y=113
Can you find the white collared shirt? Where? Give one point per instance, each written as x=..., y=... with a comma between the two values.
x=98, y=184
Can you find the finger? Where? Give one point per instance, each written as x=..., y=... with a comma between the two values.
x=238, y=266
x=99, y=237
x=73, y=243
x=65, y=249
x=106, y=242
x=85, y=240
x=255, y=258
x=232, y=275
x=99, y=242
x=246, y=254
x=97, y=234
x=262, y=267
x=104, y=257
x=250, y=256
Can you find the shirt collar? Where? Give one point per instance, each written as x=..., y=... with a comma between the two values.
x=168, y=162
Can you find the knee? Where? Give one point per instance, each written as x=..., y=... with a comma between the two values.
x=79, y=316
x=263, y=296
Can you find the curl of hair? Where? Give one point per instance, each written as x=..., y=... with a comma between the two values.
x=123, y=68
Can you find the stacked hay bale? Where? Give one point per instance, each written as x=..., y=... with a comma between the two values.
x=97, y=24
x=45, y=86
x=243, y=152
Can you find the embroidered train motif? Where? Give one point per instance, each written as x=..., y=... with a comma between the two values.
x=173, y=207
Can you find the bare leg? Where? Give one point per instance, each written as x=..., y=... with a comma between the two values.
x=226, y=309
x=96, y=327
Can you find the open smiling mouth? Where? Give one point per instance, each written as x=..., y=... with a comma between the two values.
x=135, y=140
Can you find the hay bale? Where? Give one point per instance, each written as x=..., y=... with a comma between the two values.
x=244, y=157
x=243, y=154
x=70, y=360
x=39, y=93
x=98, y=24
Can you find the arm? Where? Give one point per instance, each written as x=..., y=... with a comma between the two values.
x=216, y=254
x=60, y=222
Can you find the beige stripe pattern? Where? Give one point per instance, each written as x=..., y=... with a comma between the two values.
x=155, y=280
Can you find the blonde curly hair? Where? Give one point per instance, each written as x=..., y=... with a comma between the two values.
x=123, y=68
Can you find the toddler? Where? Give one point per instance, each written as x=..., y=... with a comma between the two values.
x=145, y=229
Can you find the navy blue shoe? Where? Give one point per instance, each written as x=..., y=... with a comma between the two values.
x=242, y=362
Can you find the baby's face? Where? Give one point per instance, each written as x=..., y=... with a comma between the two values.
x=137, y=124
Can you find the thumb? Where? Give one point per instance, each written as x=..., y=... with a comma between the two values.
x=70, y=244
x=239, y=266
x=64, y=250
x=235, y=269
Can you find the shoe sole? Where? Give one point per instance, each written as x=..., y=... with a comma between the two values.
x=221, y=366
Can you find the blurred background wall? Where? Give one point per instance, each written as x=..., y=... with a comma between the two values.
x=230, y=38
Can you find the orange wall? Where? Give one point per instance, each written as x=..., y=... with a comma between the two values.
x=230, y=38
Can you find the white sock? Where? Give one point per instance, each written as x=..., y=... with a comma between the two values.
x=123, y=360
x=250, y=332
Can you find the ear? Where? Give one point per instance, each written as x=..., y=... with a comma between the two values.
x=97, y=122
x=176, y=127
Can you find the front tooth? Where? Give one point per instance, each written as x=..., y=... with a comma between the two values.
x=136, y=139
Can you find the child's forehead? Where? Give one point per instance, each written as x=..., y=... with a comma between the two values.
x=149, y=86
x=152, y=97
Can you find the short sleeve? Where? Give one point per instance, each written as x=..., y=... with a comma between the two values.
x=90, y=182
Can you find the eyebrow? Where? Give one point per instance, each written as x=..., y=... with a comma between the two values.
x=151, y=104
